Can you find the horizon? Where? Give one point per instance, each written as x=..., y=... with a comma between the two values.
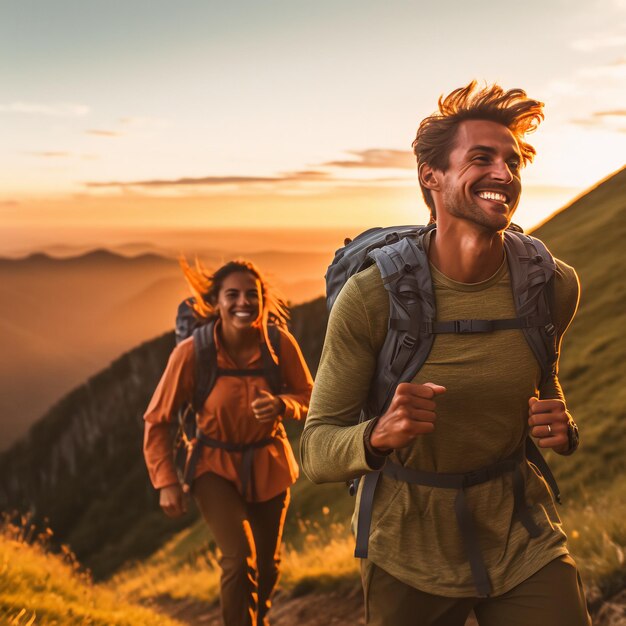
x=156, y=118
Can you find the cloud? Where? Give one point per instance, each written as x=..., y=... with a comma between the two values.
x=50, y=154
x=613, y=113
x=599, y=42
x=9, y=203
x=377, y=158
x=302, y=176
x=144, y=122
x=102, y=133
x=52, y=110
x=610, y=120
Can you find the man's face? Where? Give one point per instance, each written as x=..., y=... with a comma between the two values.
x=482, y=183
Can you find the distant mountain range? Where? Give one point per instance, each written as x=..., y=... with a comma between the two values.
x=62, y=319
x=81, y=464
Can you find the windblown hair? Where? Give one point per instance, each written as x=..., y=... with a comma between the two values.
x=436, y=134
x=205, y=287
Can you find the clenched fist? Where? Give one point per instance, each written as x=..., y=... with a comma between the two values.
x=411, y=413
x=549, y=423
x=267, y=407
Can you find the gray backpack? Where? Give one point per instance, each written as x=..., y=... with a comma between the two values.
x=401, y=258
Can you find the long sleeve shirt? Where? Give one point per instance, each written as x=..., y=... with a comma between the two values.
x=481, y=419
x=227, y=416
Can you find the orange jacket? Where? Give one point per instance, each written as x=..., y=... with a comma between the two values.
x=227, y=416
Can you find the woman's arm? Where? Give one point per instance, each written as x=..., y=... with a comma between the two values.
x=297, y=379
x=174, y=388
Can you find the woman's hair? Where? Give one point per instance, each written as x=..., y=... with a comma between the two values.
x=436, y=134
x=205, y=287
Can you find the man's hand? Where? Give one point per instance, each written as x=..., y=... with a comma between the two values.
x=267, y=407
x=411, y=413
x=548, y=421
x=172, y=501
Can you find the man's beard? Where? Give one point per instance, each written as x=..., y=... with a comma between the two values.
x=457, y=205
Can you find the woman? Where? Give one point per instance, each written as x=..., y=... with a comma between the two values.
x=240, y=424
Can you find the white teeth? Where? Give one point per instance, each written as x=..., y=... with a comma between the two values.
x=492, y=195
x=241, y=314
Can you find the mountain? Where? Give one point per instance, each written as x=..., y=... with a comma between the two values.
x=64, y=319
x=589, y=234
x=81, y=468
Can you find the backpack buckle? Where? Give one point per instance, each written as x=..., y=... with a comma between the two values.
x=408, y=341
x=462, y=326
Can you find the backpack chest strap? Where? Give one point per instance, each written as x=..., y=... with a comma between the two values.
x=463, y=327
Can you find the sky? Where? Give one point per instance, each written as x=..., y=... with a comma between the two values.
x=130, y=120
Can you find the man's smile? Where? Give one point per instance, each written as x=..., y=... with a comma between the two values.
x=496, y=196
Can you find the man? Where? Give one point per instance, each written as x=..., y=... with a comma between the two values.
x=469, y=408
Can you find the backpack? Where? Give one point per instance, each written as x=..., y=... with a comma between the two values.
x=188, y=437
x=400, y=255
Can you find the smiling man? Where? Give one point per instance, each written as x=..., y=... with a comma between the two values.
x=451, y=516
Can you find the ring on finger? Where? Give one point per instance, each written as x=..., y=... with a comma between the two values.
x=549, y=429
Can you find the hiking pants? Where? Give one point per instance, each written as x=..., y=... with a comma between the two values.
x=248, y=535
x=553, y=596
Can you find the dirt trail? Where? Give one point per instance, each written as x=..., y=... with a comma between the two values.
x=334, y=608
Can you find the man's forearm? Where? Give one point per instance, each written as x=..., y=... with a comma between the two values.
x=332, y=453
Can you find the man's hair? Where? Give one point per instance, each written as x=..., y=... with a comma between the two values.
x=436, y=134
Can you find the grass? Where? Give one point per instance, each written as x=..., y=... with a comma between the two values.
x=322, y=559
x=596, y=527
x=40, y=588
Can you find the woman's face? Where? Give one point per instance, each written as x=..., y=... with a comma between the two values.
x=240, y=301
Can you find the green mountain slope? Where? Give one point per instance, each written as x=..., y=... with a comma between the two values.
x=590, y=235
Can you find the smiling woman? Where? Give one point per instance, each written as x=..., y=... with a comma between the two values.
x=239, y=465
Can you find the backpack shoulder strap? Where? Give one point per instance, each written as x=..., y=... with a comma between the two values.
x=271, y=368
x=532, y=269
x=205, y=363
x=406, y=276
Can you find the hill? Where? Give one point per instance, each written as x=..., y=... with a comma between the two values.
x=589, y=234
x=38, y=587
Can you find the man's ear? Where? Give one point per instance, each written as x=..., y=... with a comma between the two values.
x=428, y=177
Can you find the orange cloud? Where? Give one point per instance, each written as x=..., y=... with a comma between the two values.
x=377, y=158
x=303, y=176
x=102, y=133
x=50, y=154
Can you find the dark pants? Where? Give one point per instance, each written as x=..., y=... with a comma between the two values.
x=248, y=535
x=553, y=596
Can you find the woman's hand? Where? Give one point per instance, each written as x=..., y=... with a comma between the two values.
x=172, y=500
x=267, y=407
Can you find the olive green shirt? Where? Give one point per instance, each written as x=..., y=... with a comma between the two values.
x=481, y=419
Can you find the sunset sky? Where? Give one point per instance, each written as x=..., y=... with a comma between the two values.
x=126, y=120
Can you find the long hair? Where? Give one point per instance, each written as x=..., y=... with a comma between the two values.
x=437, y=133
x=205, y=287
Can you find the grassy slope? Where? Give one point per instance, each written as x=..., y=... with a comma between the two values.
x=37, y=587
x=591, y=236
